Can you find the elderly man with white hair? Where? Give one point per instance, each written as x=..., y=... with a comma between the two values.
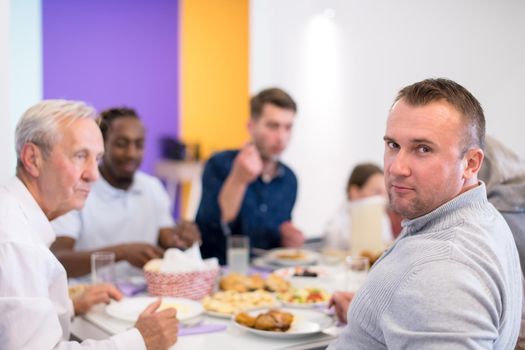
x=58, y=145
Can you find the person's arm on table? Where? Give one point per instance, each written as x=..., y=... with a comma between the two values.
x=78, y=263
x=340, y=301
x=159, y=329
x=93, y=295
x=155, y=330
x=291, y=236
x=30, y=319
x=182, y=236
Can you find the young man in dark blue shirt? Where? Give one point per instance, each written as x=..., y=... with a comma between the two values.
x=249, y=191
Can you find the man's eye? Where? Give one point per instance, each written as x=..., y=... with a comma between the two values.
x=423, y=149
x=81, y=155
x=392, y=145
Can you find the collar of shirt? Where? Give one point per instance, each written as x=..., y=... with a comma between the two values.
x=279, y=172
x=110, y=192
x=448, y=214
x=34, y=214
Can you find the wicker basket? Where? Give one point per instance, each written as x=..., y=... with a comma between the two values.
x=193, y=285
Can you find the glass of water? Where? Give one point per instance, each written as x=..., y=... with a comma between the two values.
x=238, y=253
x=356, y=271
x=103, y=267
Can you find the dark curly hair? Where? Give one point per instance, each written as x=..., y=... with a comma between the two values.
x=107, y=117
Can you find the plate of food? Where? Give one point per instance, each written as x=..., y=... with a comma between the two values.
x=243, y=283
x=129, y=309
x=227, y=303
x=304, y=297
x=283, y=322
x=292, y=257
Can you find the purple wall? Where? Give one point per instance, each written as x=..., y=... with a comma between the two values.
x=113, y=53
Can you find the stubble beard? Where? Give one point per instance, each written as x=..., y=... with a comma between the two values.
x=412, y=209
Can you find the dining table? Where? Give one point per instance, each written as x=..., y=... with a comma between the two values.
x=91, y=327
x=218, y=332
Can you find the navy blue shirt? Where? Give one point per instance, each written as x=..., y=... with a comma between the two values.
x=264, y=208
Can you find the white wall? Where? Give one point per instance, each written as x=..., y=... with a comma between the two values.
x=20, y=71
x=5, y=119
x=344, y=61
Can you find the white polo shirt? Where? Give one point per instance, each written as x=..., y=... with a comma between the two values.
x=114, y=216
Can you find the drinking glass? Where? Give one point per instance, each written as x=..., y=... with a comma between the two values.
x=356, y=271
x=238, y=254
x=103, y=267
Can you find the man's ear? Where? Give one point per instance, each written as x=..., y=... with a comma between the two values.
x=31, y=158
x=250, y=126
x=473, y=159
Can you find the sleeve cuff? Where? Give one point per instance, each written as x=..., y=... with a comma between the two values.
x=129, y=340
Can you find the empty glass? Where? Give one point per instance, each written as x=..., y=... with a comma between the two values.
x=103, y=267
x=356, y=271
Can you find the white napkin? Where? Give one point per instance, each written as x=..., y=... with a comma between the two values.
x=176, y=261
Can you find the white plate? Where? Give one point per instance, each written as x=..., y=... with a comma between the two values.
x=285, y=257
x=129, y=309
x=217, y=314
x=224, y=315
x=306, y=322
x=323, y=304
x=322, y=279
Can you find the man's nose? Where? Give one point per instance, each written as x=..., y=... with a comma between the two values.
x=283, y=134
x=132, y=151
x=91, y=172
x=400, y=164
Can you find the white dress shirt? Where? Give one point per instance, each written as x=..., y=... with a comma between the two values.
x=35, y=309
x=114, y=216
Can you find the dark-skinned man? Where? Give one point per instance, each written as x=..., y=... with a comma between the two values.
x=127, y=212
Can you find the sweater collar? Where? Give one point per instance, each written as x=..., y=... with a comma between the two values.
x=448, y=214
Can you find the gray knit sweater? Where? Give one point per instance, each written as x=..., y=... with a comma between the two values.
x=452, y=280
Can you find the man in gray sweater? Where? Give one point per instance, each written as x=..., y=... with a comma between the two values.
x=452, y=280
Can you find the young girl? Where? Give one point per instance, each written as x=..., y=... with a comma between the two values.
x=366, y=183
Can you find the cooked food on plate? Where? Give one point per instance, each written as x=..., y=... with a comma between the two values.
x=372, y=256
x=304, y=272
x=241, y=283
x=276, y=283
x=272, y=320
x=293, y=254
x=304, y=296
x=230, y=302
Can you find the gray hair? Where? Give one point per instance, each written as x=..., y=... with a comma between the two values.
x=40, y=124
